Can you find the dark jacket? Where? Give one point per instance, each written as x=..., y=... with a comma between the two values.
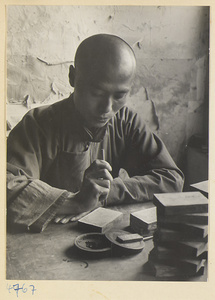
x=49, y=150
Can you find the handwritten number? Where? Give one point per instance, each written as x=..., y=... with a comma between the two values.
x=33, y=289
x=9, y=288
x=16, y=289
x=24, y=289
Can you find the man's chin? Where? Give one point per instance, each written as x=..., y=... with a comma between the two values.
x=99, y=123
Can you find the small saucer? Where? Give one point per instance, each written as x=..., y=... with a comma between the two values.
x=93, y=242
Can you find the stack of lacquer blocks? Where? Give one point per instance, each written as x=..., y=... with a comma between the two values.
x=181, y=239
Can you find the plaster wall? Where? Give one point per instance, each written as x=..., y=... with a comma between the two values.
x=170, y=43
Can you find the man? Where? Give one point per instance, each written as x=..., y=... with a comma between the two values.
x=55, y=162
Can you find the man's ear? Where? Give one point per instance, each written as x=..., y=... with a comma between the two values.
x=72, y=75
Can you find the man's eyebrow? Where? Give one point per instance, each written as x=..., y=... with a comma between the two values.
x=98, y=87
x=123, y=91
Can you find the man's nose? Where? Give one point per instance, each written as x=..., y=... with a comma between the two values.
x=106, y=104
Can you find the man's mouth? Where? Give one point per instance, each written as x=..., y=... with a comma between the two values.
x=102, y=119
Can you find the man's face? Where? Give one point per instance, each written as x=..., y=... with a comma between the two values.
x=101, y=92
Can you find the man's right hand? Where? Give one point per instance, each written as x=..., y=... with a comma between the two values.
x=96, y=182
x=95, y=186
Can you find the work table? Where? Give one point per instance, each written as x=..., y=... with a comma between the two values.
x=51, y=255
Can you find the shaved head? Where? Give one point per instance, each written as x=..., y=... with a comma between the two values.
x=105, y=51
x=102, y=77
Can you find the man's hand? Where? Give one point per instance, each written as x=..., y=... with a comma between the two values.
x=69, y=218
x=95, y=187
x=96, y=183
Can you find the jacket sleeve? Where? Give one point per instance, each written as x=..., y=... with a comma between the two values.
x=31, y=203
x=147, y=167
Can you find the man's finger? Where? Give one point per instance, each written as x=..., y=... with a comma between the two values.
x=58, y=218
x=66, y=219
x=104, y=174
x=102, y=184
x=76, y=218
x=101, y=164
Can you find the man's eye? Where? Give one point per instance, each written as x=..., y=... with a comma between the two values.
x=118, y=96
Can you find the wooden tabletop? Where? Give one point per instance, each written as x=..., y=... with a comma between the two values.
x=51, y=255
